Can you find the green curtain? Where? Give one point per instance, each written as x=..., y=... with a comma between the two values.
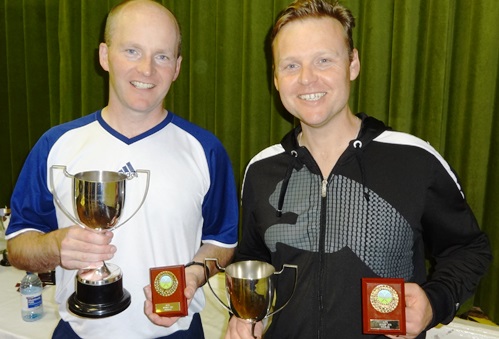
x=429, y=67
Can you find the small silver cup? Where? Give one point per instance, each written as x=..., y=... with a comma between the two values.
x=249, y=287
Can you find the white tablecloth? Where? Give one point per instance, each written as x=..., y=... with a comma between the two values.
x=214, y=317
x=460, y=328
x=11, y=323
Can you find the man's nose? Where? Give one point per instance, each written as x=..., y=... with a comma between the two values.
x=307, y=74
x=146, y=66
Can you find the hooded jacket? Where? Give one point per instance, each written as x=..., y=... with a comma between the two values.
x=389, y=199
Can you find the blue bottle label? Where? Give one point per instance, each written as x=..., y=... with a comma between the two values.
x=34, y=301
x=29, y=302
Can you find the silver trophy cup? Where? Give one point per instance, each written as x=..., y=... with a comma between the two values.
x=249, y=287
x=98, y=201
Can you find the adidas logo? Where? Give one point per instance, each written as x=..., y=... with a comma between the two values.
x=128, y=170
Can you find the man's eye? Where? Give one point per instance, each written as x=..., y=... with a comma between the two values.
x=163, y=57
x=131, y=51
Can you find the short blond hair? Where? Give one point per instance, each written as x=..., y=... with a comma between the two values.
x=303, y=9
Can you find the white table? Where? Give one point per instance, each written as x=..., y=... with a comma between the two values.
x=461, y=329
x=11, y=323
x=214, y=317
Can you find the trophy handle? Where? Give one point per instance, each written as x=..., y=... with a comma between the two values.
x=221, y=269
x=146, y=190
x=70, y=216
x=294, y=288
x=56, y=197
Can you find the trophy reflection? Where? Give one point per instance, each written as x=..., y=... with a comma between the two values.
x=98, y=201
x=249, y=288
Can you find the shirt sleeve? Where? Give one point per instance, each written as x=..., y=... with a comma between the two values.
x=460, y=250
x=220, y=206
x=32, y=206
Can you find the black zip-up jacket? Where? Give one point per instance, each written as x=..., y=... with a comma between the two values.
x=390, y=199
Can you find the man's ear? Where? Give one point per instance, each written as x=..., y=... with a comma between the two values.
x=177, y=70
x=354, y=65
x=103, y=56
x=276, y=84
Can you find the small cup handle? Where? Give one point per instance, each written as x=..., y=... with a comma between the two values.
x=294, y=287
x=221, y=269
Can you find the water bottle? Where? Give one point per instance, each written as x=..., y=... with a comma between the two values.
x=31, y=297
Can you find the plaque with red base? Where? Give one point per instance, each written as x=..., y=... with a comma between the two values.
x=383, y=306
x=167, y=286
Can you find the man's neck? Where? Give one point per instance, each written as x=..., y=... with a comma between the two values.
x=327, y=143
x=131, y=124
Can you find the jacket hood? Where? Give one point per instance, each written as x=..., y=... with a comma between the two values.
x=370, y=129
x=300, y=156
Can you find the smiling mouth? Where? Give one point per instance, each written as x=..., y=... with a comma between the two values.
x=141, y=85
x=312, y=96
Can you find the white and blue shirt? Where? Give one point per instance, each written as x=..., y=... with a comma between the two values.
x=191, y=200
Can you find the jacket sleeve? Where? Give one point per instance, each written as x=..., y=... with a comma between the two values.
x=460, y=250
x=252, y=245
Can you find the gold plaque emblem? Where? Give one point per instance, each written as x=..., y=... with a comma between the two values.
x=166, y=283
x=384, y=298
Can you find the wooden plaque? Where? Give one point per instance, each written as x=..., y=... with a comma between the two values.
x=167, y=286
x=383, y=306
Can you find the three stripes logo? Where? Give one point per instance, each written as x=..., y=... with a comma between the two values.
x=128, y=170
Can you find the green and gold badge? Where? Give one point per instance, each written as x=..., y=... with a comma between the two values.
x=166, y=283
x=384, y=298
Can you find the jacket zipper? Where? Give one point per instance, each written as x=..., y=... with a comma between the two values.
x=322, y=240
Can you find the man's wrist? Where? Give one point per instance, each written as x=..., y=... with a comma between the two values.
x=206, y=270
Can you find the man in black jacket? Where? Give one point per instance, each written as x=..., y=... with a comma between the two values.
x=345, y=198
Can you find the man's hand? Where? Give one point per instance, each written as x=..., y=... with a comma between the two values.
x=418, y=311
x=191, y=285
x=72, y=247
x=194, y=278
x=241, y=329
x=84, y=248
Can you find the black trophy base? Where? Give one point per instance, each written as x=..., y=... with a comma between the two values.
x=105, y=299
x=5, y=259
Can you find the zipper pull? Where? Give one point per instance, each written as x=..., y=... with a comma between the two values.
x=324, y=188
